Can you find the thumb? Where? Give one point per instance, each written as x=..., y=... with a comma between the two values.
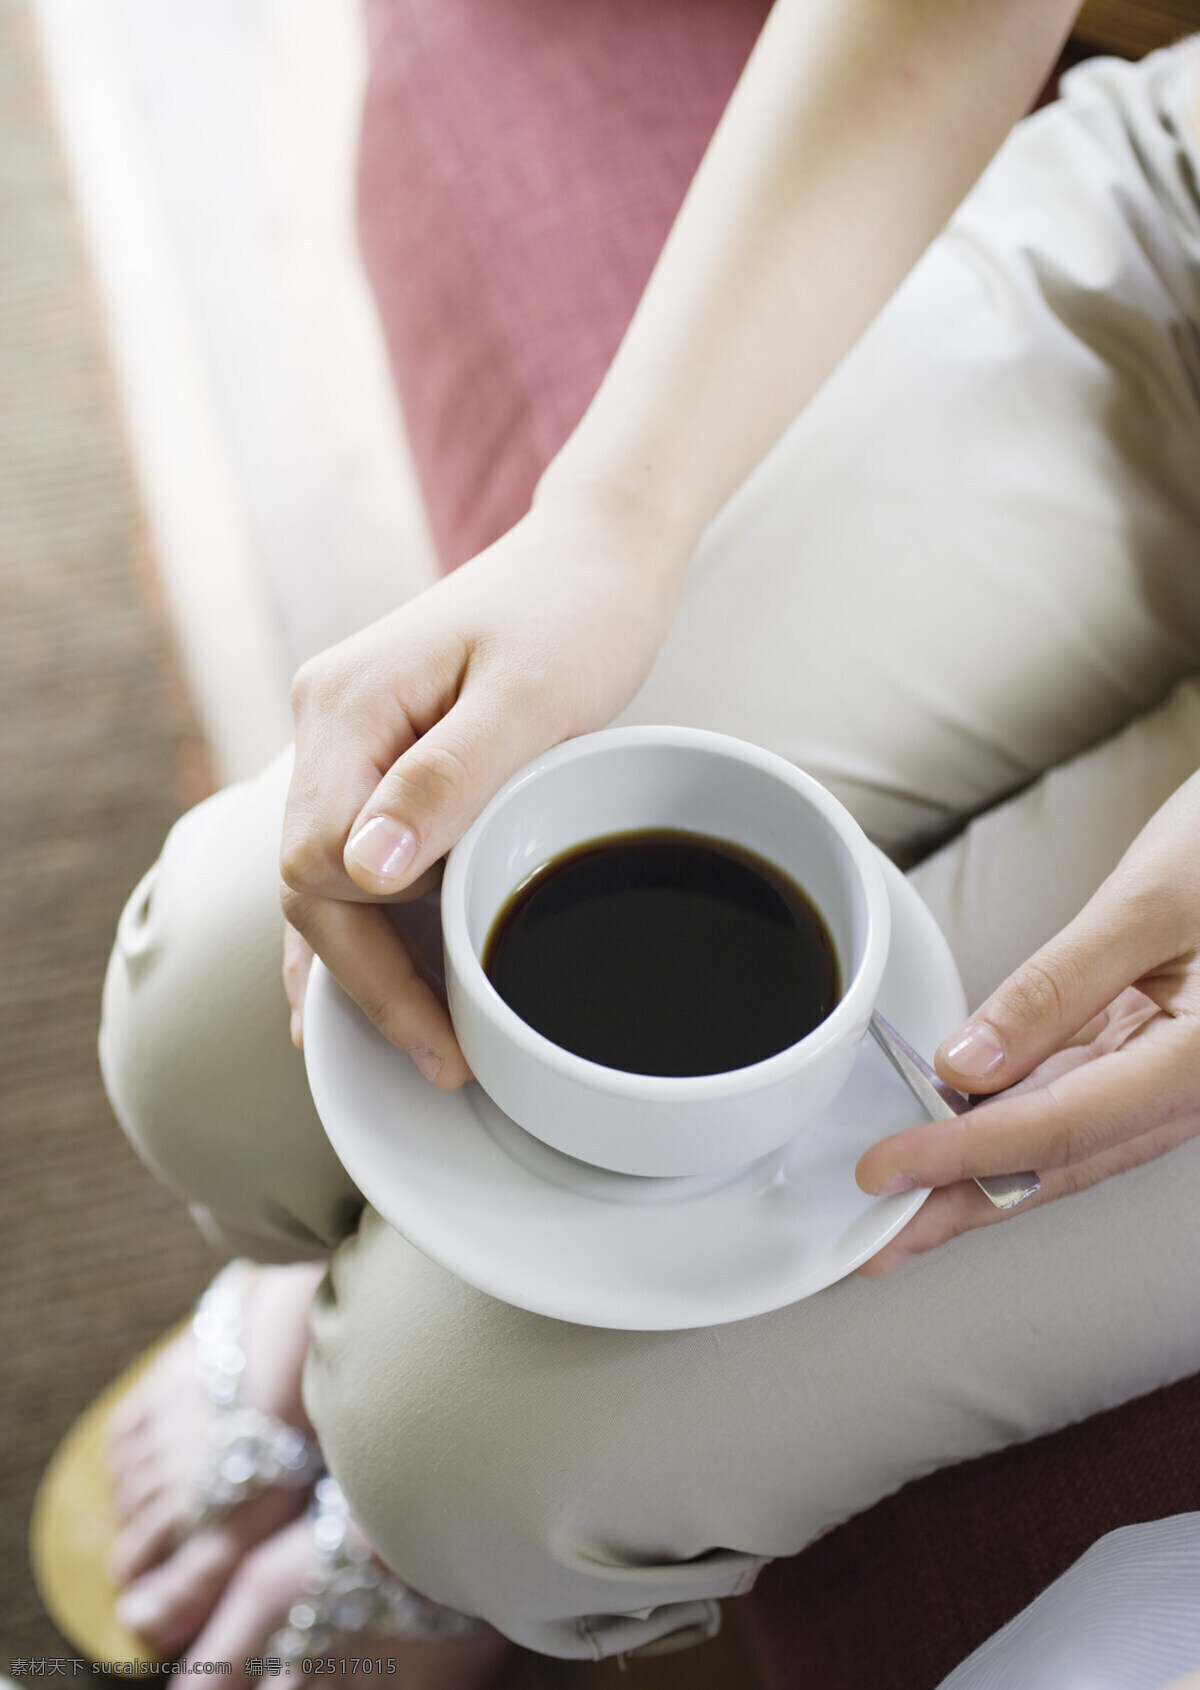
x=1108, y=946
x=429, y=798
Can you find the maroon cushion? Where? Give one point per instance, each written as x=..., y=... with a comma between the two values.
x=898, y=1596
x=522, y=161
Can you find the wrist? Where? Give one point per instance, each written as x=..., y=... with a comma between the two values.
x=639, y=523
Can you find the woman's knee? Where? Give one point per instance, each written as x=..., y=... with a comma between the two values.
x=194, y=1040
x=497, y=1460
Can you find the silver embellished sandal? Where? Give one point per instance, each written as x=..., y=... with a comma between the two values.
x=73, y=1526
x=348, y=1594
x=248, y=1451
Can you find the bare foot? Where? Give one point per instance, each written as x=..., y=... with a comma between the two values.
x=157, y=1444
x=256, y=1603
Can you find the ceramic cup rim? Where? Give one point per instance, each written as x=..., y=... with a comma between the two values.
x=844, y=1020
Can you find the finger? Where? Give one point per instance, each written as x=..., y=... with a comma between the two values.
x=1116, y=1025
x=297, y=964
x=1073, y=1117
x=357, y=708
x=1125, y=931
x=319, y=869
x=368, y=958
x=944, y=1215
x=333, y=776
x=329, y=787
x=432, y=795
x=956, y=1209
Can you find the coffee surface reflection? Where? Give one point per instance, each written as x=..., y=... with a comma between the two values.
x=664, y=952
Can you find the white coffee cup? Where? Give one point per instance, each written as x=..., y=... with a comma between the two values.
x=620, y=781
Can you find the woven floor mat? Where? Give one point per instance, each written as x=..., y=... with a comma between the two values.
x=98, y=753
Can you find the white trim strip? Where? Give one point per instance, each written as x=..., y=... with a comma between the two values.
x=211, y=576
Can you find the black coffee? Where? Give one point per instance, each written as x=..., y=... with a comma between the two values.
x=663, y=952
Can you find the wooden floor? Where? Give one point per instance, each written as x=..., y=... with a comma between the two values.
x=99, y=753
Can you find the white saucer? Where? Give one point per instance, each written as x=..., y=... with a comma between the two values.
x=537, y=1229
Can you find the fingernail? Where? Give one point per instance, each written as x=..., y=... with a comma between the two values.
x=896, y=1260
x=897, y=1182
x=975, y=1052
x=139, y=1608
x=428, y=1061
x=382, y=849
x=296, y=1030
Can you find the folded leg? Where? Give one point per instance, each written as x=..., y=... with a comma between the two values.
x=972, y=561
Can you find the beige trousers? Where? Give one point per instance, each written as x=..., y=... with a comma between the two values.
x=965, y=585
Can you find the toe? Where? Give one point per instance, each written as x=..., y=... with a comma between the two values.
x=156, y=1438
x=126, y=1431
x=257, y=1598
x=148, y=1536
x=169, y=1605
x=169, y=1600
x=269, y=1582
x=135, y=1421
x=136, y=1488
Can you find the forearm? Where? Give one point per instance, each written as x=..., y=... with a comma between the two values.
x=856, y=129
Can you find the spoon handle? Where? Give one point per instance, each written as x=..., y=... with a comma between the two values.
x=941, y=1102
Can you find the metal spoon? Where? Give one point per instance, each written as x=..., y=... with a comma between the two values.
x=942, y=1103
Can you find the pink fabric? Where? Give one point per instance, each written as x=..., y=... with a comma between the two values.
x=522, y=161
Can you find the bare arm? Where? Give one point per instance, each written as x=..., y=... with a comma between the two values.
x=855, y=130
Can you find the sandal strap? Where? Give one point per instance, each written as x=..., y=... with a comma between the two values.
x=248, y=1451
x=348, y=1593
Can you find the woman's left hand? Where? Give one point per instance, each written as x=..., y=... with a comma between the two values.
x=1098, y=1035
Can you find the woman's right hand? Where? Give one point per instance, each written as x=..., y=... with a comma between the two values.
x=405, y=730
